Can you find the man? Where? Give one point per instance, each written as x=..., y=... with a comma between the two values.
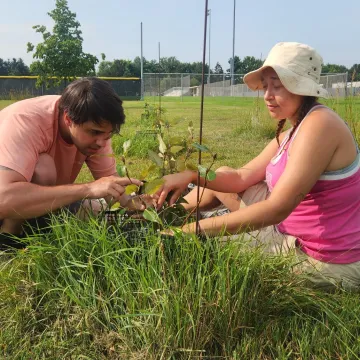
x=45, y=141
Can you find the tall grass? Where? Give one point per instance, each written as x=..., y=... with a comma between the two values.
x=84, y=292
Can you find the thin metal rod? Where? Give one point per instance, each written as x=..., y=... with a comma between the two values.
x=159, y=81
x=201, y=116
x=142, y=64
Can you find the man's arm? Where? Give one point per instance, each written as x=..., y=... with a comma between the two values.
x=20, y=199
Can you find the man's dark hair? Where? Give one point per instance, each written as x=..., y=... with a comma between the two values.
x=91, y=98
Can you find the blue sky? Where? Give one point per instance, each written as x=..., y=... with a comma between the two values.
x=113, y=27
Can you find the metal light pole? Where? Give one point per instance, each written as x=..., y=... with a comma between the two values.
x=209, y=14
x=233, y=50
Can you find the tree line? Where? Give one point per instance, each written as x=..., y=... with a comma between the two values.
x=60, y=57
x=132, y=68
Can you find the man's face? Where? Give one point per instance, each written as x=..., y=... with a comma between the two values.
x=90, y=137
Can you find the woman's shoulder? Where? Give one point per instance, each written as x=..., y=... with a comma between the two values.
x=323, y=129
x=323, y=118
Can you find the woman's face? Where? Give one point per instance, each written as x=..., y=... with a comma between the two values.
x=281, y=103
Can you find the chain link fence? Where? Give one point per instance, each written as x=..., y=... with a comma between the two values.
x=23, y=87
x=178, y=85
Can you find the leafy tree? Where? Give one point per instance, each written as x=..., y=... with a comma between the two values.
x=116, y=68
x=127, y=68
x=249, y=63
x=354, y=73
x=196, y=68
x=14, y=67
x=218, y=69
x=60, y=55
x=105, y=69
x=149, y=66
x=136, y=66
x=170, y=64
x=17, y=67
x=3, y=68
x=333, y=68
x=237, y=64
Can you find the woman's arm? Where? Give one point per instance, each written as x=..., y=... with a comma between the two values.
x=251, y=218
x=311, y=152
x=227, y=180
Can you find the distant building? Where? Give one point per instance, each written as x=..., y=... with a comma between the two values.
x=341, y=85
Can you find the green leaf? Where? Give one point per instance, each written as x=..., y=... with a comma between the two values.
x=176, y=140
x=202, y=170
x=172, y=164
x=126, y=146
x=152, y=187
x=144, y=174
x=180, y=164
x=121, y=170
x=151, y=215
x=155, y=158
x=211, y=175
x=181, y=199
x=131, y=189
x=176, y=149
x=115, y=206
x=201, y=147
x=190, y=166
x=162, y=145
x=205, y=172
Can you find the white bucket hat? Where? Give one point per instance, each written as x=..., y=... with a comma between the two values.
x=298, y=67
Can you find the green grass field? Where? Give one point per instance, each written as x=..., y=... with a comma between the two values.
x=237, y=129
x=80, y=291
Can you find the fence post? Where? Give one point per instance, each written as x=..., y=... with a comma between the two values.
x=223, y=92
x=327, y=82
x=346, y=81
x=181, y=87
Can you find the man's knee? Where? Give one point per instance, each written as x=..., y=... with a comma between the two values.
x=45, y=171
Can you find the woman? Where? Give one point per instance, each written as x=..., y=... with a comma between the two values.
x=303, y=191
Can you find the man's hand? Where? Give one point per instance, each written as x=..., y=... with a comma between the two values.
x=110, y=186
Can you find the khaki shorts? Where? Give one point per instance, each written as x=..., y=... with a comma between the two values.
x=321, y=274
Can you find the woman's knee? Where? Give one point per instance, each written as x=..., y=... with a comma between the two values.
x=225, y=168
x=45, y=171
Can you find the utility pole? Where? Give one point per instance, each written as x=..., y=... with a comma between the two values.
x=209, y=14
x=233, y=49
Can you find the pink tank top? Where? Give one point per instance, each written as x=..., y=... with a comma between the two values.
x=327, y=222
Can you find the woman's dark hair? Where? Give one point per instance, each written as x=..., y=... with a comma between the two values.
x=308, y=103
x=93, y=99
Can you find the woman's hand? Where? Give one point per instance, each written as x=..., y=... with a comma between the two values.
x=139, y=202
x=176, y=183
